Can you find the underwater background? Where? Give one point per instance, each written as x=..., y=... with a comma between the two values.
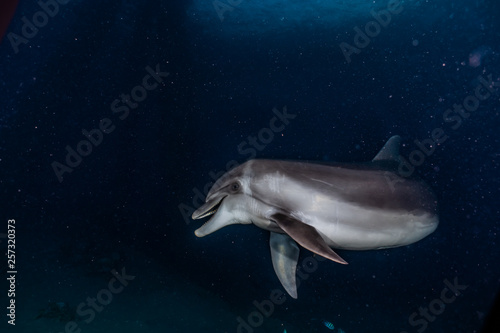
x=104, y=241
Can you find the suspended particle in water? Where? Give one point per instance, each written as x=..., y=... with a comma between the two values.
x=476, y=56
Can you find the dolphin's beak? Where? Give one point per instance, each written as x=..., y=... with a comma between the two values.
x=209, y=208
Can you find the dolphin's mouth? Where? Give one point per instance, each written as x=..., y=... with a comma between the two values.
x=210, y=212
x=208, y=208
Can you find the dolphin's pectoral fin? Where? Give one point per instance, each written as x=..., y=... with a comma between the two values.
x=285, y=254
x=306, y=236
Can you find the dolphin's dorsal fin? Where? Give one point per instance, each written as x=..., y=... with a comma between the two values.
x=307, y=236
x=390, y=151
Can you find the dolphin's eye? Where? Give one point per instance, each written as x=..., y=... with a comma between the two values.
x=235, y=187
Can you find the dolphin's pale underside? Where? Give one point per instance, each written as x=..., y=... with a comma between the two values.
x=341, y=206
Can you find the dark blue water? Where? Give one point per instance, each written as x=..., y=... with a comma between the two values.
x=115, y=115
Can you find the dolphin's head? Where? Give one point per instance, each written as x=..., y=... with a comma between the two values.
x=228, y=201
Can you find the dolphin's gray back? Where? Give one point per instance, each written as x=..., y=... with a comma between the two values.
x=360, y=184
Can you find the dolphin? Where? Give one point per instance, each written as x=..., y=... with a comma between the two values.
x=322, y=207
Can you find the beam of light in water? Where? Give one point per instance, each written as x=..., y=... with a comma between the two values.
x=251, y=17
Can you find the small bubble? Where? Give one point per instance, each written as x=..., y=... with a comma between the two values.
x=415, y=42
